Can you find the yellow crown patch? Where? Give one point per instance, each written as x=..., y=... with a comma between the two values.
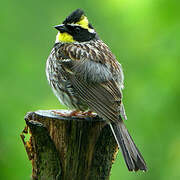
x=83, y=22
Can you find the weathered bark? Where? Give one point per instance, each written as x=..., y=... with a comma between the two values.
x=69, y=148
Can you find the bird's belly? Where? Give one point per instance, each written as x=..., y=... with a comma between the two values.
x=62, y=88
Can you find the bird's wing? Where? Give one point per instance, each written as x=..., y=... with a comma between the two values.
x=94, y=80
x=103, y=98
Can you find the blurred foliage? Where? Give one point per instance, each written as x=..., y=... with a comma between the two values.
x=144, y=36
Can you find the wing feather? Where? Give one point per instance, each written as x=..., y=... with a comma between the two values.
x=98, y=98
x=95, y=80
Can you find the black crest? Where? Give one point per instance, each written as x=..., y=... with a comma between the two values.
x=74, y=17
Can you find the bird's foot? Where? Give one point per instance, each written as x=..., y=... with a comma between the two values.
x=75, y=113
x=65, y=114
x=89, y=114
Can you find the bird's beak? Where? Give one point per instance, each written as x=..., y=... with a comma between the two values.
x=62, y=28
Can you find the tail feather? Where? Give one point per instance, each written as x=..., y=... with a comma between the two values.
x=131, y=154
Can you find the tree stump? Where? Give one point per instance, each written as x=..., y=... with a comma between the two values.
x=68, y=148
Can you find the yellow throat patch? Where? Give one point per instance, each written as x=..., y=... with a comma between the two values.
x=65, y=37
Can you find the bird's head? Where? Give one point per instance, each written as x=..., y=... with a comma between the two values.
x=75, y=28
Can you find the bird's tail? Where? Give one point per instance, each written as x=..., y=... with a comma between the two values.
x=131, y=154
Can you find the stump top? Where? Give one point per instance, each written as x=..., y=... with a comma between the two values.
x=52, y=114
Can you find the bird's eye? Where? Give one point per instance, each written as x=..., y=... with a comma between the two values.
x=77, y=29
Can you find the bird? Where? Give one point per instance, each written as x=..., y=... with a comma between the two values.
x=85, y=76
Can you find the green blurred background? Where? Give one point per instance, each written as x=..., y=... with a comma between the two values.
x=145, y=37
